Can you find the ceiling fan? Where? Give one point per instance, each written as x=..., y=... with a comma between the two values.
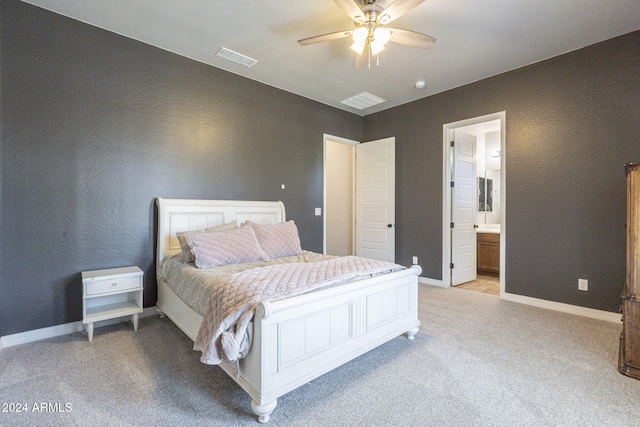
x=371, y=34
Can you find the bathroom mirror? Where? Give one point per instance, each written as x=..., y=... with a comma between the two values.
x=485, y=194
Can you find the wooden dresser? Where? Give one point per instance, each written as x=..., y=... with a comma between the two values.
x=629, y=362
x=488, y=254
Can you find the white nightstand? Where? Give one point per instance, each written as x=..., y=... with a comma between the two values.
x=111, y=293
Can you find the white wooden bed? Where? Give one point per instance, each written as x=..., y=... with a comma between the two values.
x=297, y=339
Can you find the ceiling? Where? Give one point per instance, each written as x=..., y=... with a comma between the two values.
x=475, y=39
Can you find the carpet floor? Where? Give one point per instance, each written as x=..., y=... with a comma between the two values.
x=477, y=361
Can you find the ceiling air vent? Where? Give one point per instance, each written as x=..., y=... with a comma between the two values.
x=236, y=57
x=362, y=100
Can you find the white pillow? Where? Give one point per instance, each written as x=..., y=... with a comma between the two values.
x=278, y=240
x=227, y=247
x=187, y=256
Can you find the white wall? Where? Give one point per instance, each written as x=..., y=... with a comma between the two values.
x=339, y=198
x=487, y=142
x=492, y=171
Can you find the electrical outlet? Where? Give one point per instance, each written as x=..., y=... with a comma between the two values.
x=415, y=260
x=283, y=186
x=583, y=285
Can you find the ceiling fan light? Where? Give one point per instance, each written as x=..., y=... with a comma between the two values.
x=358, y=47
x=360, y=35
x=376, y=47
x=381, y=35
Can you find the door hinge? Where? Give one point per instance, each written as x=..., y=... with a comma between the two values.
x=452, y=184
x=451, y=265
x=451, y=225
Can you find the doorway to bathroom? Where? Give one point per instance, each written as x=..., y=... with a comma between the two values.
x=474, y=203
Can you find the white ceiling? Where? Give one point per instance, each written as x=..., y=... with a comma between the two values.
x=475, y=39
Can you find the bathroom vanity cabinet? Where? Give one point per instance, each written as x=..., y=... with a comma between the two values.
x=488, y=253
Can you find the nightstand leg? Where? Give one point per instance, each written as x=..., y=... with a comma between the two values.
x=90, y=331
x=135, y=322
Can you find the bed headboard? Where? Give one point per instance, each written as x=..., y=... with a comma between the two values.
x=175, y=215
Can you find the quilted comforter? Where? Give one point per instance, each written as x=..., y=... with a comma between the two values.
x=231, y=306
x=194, y=285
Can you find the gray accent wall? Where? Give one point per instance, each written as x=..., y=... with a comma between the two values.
x=95, y=126
x=572, y=122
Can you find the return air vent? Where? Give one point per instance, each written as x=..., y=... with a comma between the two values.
x=362, y=100
x=236, y=57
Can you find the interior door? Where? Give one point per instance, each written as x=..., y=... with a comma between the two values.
x=375, y=199
x=463, y=215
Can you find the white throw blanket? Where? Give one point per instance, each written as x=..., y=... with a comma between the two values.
x=232, y=306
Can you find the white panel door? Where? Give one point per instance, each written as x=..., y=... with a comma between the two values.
x=463, y=215
x=375, y=199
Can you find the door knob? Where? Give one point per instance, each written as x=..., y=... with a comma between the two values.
x=389, y=225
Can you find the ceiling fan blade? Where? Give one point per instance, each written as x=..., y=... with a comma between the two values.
x=396, y=9
x=411, y=38
x=325, y=37
x=351, y=9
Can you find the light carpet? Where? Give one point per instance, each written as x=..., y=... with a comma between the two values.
x=477, y=361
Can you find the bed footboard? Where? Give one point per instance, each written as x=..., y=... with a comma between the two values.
x=298, y=339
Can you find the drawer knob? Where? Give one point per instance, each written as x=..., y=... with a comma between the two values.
x=114, y=284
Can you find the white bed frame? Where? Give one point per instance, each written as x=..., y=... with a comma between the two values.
x=297, y=339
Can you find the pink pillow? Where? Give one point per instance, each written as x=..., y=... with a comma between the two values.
x=187, y=256
x=227, y=247
x=278, y=240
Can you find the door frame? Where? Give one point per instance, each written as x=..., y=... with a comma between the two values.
x=447, y=158
x=325, y=138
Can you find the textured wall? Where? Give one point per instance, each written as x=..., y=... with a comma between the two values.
x=571, y=123
x=95, y=126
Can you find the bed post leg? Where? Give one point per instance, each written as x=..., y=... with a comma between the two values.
x=264, y=411
x=411, y=333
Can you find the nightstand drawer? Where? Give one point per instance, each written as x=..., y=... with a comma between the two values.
x=113, y=285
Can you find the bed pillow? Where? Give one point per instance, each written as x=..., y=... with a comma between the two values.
x=278, y=240
x=227, y=247
x=187, y=256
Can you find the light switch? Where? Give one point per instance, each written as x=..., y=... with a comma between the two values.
x=318, y=211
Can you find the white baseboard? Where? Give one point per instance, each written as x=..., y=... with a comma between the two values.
x=565, y=308
x=432, y=282
x=41, y=334
x=64, y=329
x=549, y=305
